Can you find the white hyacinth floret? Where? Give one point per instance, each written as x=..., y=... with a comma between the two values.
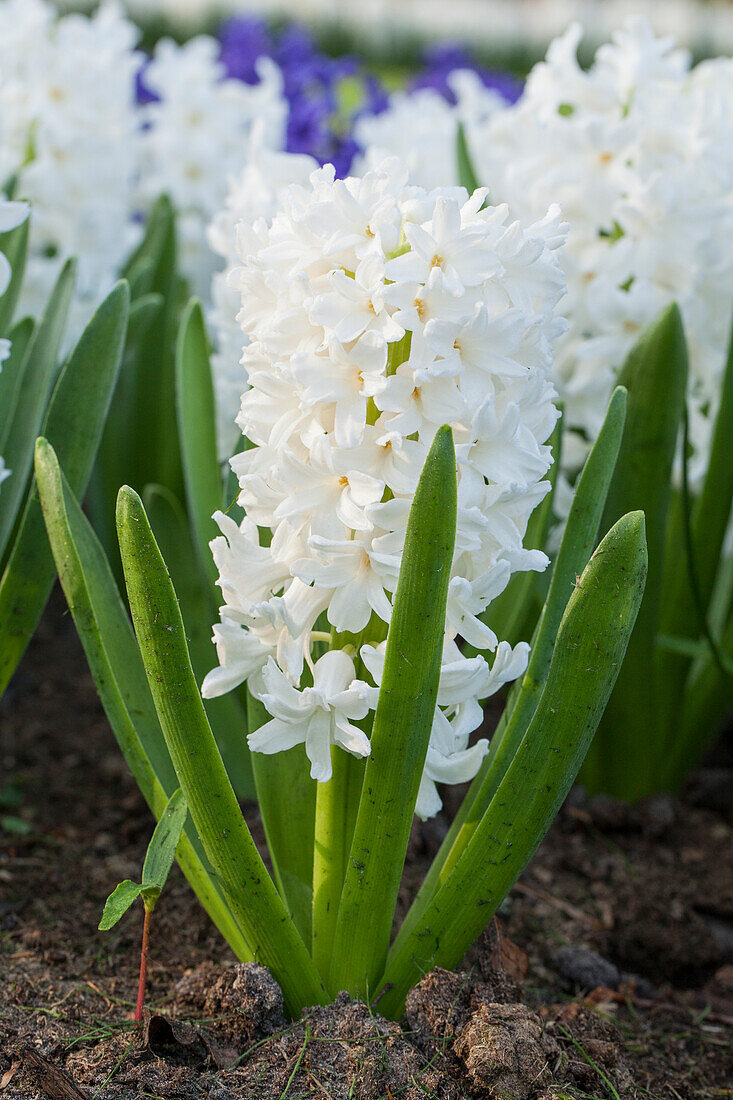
x=377, y=311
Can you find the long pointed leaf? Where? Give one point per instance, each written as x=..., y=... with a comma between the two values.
x=14, y=245
x=114, y=659
x=197, y=433
x=631, y=735
x=253, y=899
x=38, y=378
x=402, y=726
x=289, y=835
x=226, y=715
x=74, y=422
x=579, y=537
x=591, y=643
x=11, y=374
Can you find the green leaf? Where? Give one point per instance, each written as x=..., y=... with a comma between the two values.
x=197, y=433
x=164, y=841
x=689, y=582
x=579, y=537
x=11, y=375
x=591, y=643
x=118, y=902
x=466, y=172
x=402, y=726
x=226, y=714
x=254, y=901
x=626, y=757
x=73, y=425
x=289, y=835
x=38, y=377
x=14, y=245
x=114, y=659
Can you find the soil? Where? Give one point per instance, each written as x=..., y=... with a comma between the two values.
x=609, y=974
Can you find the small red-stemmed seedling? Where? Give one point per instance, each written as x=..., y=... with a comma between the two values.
x=158, y=862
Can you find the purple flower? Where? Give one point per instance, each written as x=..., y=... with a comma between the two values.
x=312, y=84
x=440, y=61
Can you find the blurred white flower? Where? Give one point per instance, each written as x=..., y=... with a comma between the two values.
x=638, y=151
x=199, y=132
x=69, y=140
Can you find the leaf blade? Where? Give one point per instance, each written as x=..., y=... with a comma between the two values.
x=252, y=896
x=402, y=726
x=119, y=901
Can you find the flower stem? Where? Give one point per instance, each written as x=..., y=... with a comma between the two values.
x=337, y=803
x=143, y=966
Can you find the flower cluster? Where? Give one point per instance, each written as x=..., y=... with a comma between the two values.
x=421, y=125
x=443, y=59
x=375, y=312
x=638, y=150
x=93, y=133
x=12, y=214
x=198, y=129
x=320, y=120
x=67, y=97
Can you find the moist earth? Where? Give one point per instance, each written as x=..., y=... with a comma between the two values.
x=609, y=973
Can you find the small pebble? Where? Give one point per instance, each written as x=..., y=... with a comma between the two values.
x=586, y=968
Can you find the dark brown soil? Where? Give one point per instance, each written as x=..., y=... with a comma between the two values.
x=611, y=975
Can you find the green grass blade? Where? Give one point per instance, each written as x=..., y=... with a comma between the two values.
x=402, y=726
x=11, y=375
x=197, y=433
x=73, y=425
x=226, y=715
x=114, y=659
x=579, y=538
x=38, y=377
x=253, y=898
x=14, y=245
x=591, y=643
x=627, y=753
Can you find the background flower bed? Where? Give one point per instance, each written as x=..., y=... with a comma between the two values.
x=701, y=954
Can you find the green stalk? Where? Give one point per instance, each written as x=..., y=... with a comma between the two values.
x=289, y=834
x=337, y=804
x=578, y=540
x=591, y=643
x=253, y=898
x=401, y=730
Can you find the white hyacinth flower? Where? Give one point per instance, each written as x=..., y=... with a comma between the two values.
x=70, y=140
x=198, y=134
x=363, y=303
x=317, y=717
x=638, y=151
